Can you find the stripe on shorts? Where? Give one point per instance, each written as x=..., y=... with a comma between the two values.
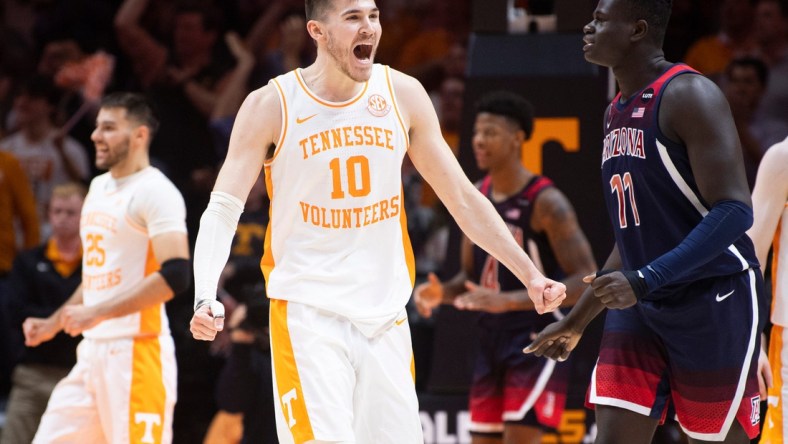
x=288, y=382
x=148, y=396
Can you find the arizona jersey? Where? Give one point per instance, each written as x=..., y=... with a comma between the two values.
x=338, y=238
x=119, y=217
x=651, y=195
x=516, y=212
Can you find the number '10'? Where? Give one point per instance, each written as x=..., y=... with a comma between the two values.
x=357, y=177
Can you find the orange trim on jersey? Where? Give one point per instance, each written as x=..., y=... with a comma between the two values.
x=267, y=262
x=413, y=367
x=150, y=317
x=288, y=383
x=302, y=83
x=148, y=397
x=282, y=133
x=396, y=108
x=407, y=248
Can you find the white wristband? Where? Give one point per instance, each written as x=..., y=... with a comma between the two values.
x=212, y=248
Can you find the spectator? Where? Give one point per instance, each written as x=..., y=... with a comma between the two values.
x=772, y=25
x=48, y=157
x=293, y=51
x=184, y=80
x=17, y=208
x=745, y=81
x=711, y=54
x=40, y=282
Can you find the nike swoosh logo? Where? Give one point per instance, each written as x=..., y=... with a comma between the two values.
x=723, y=297
x=400, y=321
x=299, y=120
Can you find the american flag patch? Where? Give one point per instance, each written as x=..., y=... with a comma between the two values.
x=638, y=112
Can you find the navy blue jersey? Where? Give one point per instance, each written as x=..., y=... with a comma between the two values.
x=651, y=194
x=516, y=212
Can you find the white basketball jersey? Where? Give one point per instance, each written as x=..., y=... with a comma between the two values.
x=117, y=223
x=338, y=237
x=780, y=272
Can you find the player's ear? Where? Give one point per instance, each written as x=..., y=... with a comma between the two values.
x=143, y=134
x=639, y=30
x=315, y=29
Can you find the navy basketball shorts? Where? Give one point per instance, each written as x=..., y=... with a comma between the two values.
x=512, y=387
x=696, y=352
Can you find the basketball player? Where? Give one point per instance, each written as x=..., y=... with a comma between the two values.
x=770, y=228
x=682, y=284
x=514, y=397
x=122, y=388
x=338, y=263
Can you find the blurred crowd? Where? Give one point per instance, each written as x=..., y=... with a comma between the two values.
x=197, y=60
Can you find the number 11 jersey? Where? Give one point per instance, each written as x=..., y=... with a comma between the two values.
x=650, y=191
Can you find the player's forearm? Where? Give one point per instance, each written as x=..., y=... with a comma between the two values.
x=477, y=218
x=589, y=306
x=75, y=298
x=453, y=287
x=153, y=290
x=212, y=248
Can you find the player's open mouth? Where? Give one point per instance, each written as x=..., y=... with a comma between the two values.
x=362, y=52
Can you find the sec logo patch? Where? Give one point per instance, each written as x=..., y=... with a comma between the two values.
x=378, y=106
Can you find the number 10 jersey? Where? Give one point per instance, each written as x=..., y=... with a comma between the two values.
x=337, y=239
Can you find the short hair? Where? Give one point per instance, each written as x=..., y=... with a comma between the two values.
x=758, y=65
x=510, y=105
x=137, y=107
x=68, y=189
x=316, y=9
x=655, y=12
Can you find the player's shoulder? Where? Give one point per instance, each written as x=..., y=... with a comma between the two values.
x=155, y=180
x=690, y=85
x=99, y=180
x=402, y=81
x=264, y=98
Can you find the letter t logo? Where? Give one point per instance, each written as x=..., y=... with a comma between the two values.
x=287, y=399
x=150, y=419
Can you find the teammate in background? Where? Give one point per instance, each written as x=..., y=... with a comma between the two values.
x=770, y=227
x=41, y=280
x=338, y=262
x=507, y=404
x=682, y=284
x=122, y=388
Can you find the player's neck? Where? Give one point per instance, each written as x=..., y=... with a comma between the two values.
x=632, y=77
x=328, y=82
x=509, y=181
x=131, y=165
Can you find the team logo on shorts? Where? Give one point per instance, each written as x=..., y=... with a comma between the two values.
x=378, y=106
x=755, y=415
